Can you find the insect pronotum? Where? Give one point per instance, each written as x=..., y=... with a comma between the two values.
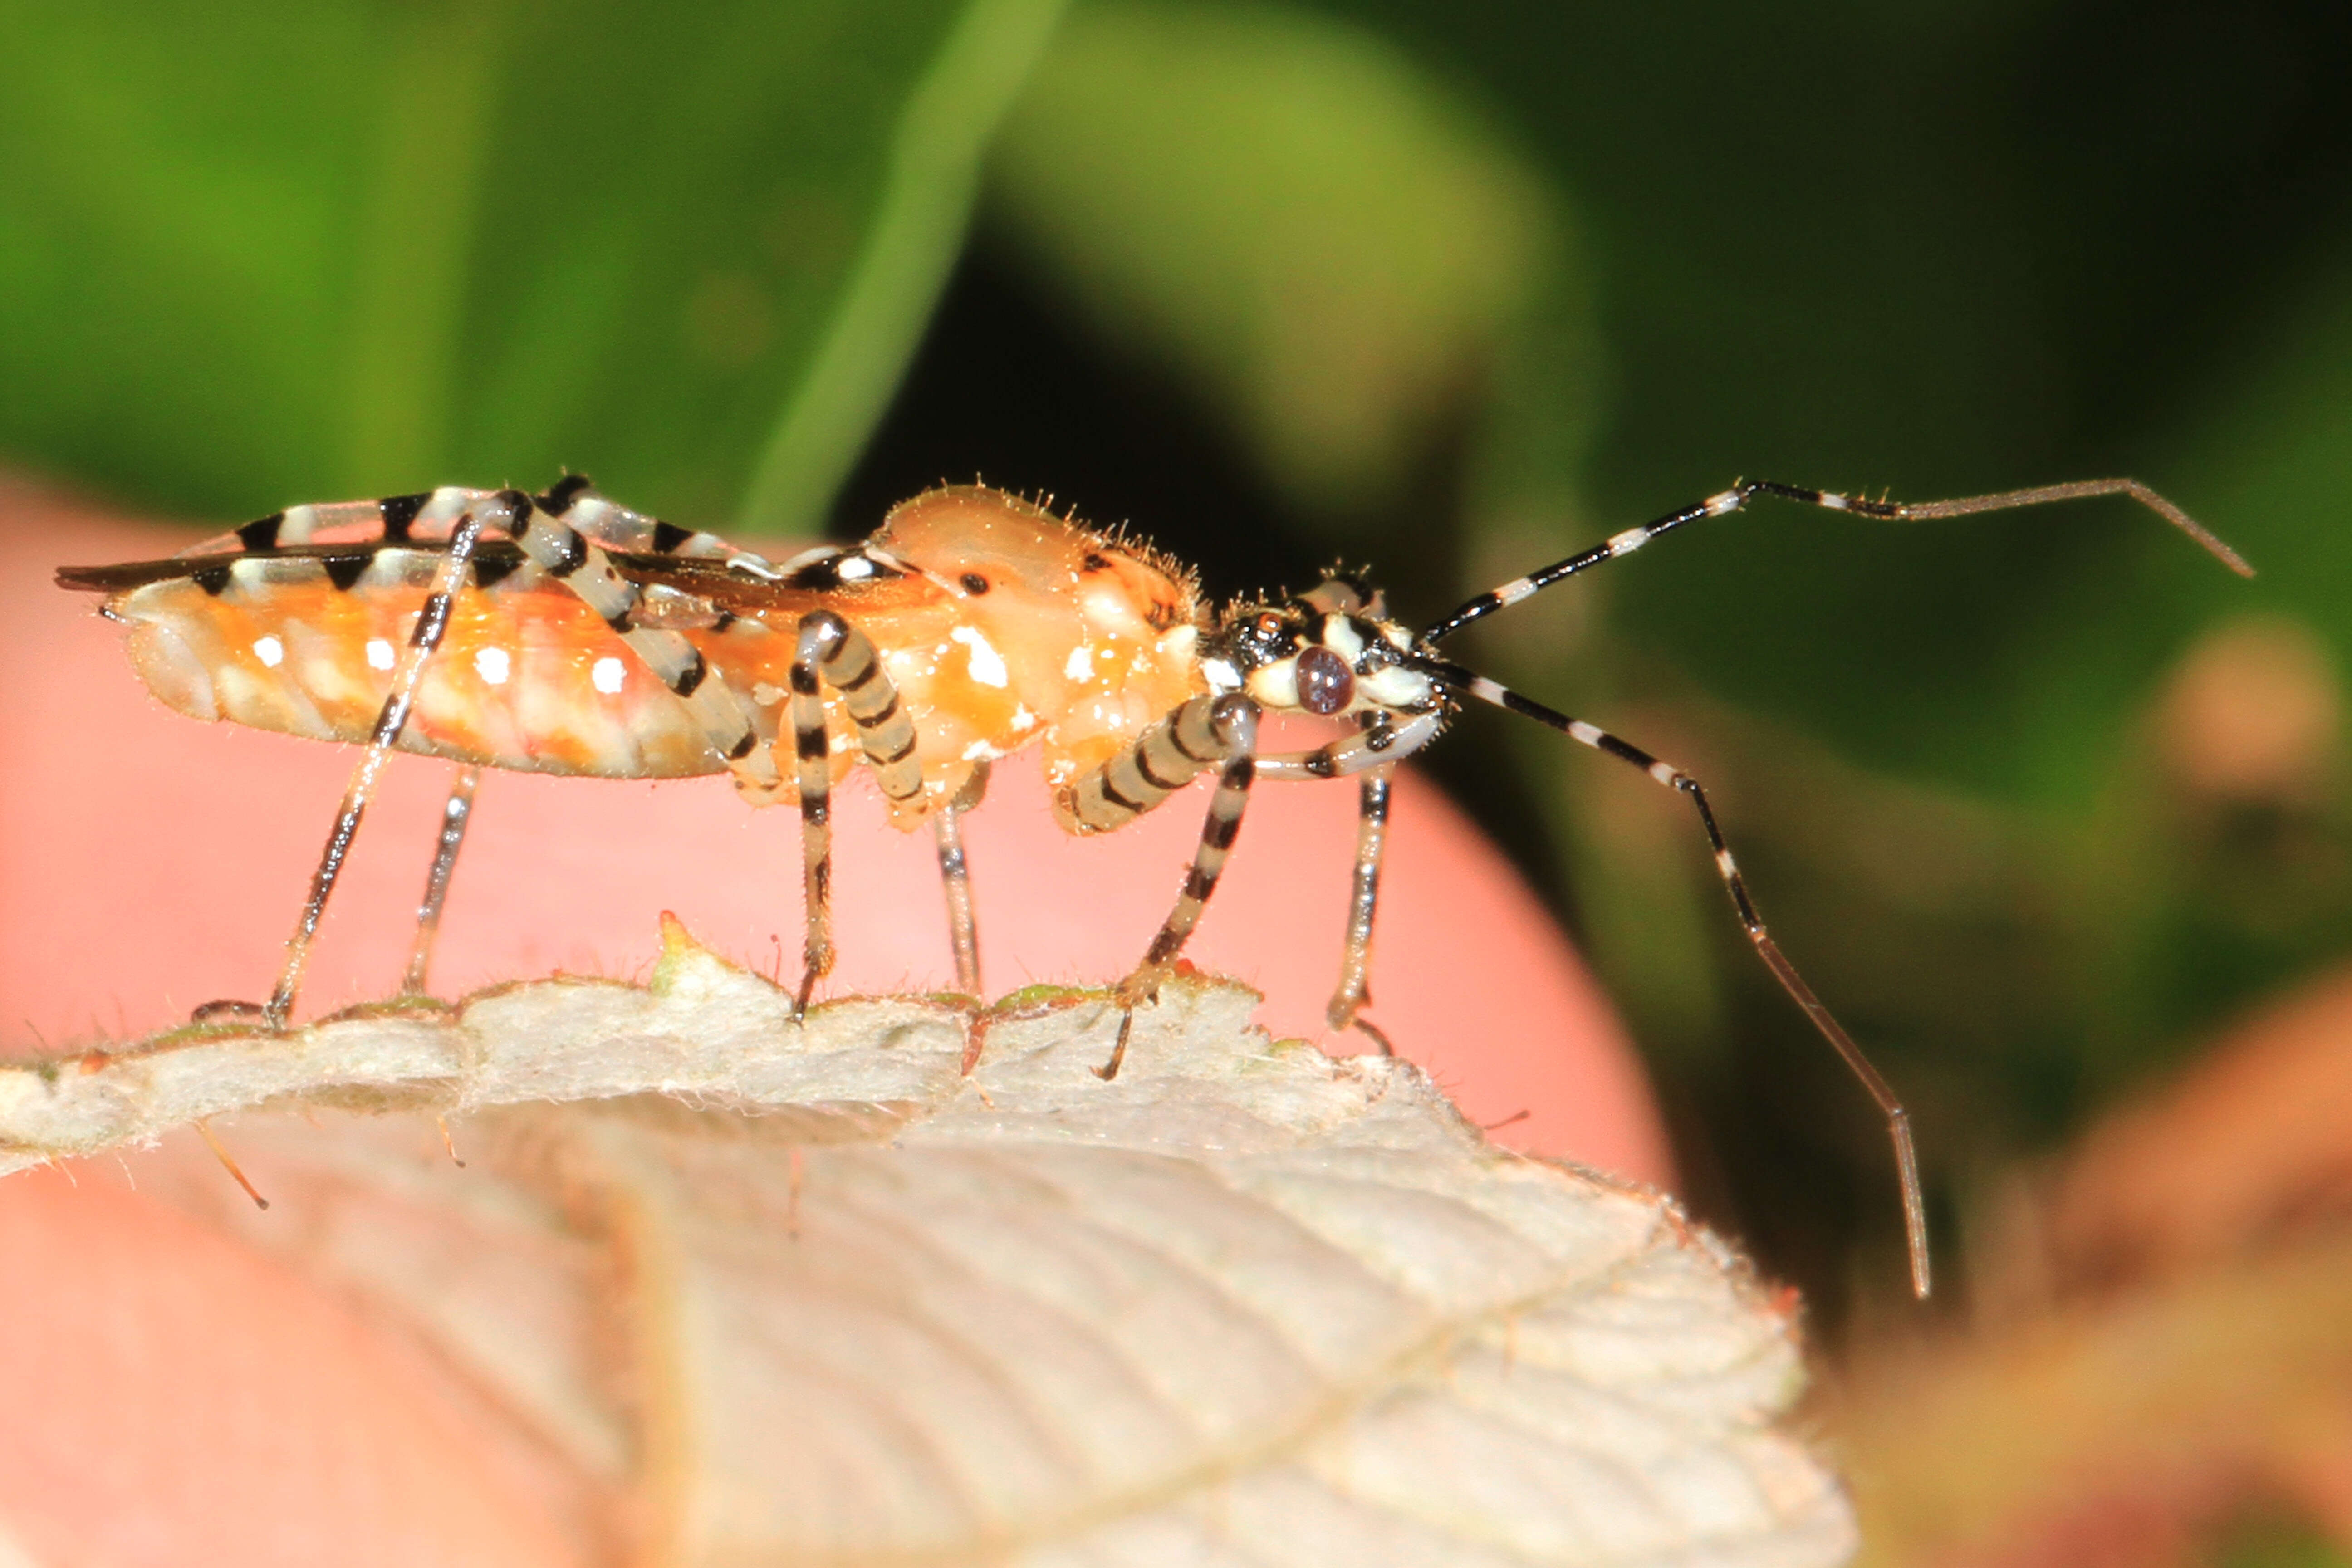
x=563, y=632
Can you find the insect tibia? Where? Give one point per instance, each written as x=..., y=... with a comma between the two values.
x=664, y=608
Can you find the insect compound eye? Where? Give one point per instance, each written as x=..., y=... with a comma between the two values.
x=1326, y=684
x=974, y=583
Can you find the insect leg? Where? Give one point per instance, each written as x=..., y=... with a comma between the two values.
x=1746, y=490
x=1356, y=963
x=432, y=625
x=1204, y=731
x=572, y=558
x=396, y=520
x=955, y=878
x=1373, y=753
x=1381, y=741
x=1898, y=1120
x=814, y=776
x=616, y=527
x=419, y=518
x=830, y=649
x=456, y=812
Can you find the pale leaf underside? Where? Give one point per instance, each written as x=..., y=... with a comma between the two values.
x=809, y=1294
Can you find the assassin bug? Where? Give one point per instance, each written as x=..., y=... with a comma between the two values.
x=563, y=632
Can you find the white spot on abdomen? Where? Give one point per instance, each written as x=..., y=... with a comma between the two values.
x=379, y=653
x=606, y=675
x=987, y=664
x=1080, y=664
x=492, y=665
x=270, y=651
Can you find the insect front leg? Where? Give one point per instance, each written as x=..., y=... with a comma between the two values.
x=832, y=652
x=1356, y=959
x=1201, y=733
x=1372, y=753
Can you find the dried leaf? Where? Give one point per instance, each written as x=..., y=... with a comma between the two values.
x=808, y=1293
x=2113, y=1433
x=2254, y=1141
x=2161, y=1340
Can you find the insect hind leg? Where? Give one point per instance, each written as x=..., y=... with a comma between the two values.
x=432, y=625
x=561, y=534
x=456, y=813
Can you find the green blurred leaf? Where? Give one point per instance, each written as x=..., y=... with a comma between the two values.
x=279, y=250
x=2273, y=451
x=1326, y=241
x=914, y=240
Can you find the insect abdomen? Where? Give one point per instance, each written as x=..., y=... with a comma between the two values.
x=528, y=678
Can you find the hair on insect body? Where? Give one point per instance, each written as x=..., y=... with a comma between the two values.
x=563, y=632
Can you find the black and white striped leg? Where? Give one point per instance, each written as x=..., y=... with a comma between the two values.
x=1746, y=490
x=1384, y=740
x=1898, y=1122
x=1205, y=729
x=955, y=879
x=832, y=652
x=432, y=625
x=571, y=557
x=456, y=812
x=1356, y=960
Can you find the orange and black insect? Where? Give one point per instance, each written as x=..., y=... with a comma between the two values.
x=563, y=632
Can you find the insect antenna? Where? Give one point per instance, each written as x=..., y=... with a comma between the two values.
x=1468, y=683
x=1746, y=490
x=1465, y=683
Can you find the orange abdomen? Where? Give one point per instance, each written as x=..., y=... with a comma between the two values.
x=528, y=678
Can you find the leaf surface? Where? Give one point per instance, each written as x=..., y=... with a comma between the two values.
x=816, y=1296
